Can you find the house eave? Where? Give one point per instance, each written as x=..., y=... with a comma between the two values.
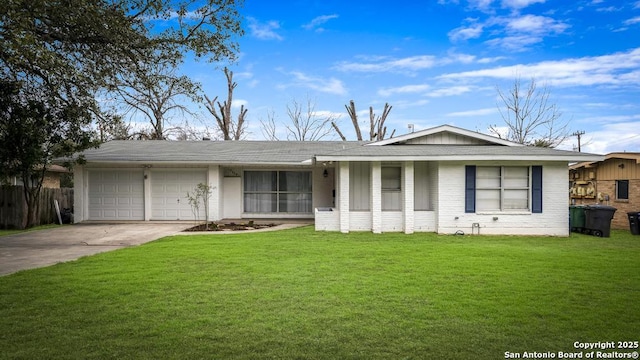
x=444, y=128
x=529, y=158
x=146, y=163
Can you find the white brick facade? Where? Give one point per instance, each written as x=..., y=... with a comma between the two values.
x=447, y=181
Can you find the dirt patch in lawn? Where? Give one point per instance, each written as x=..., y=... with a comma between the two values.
x=212, y=226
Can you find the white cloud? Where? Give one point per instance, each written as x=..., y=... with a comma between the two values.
x=407, y=89
x=521, y=32
x=608, y=9
x=535, y=24
x=316, y=22
x=488, y=5
x=622, y=68
x=237, y=103
x=331, y=85
x=465, y=33
x=264, y=31
x=632, y=21
x=411, y=63
x=405, y=104
x=514, y=33
x=490, y=60
x=619, y=133
x=514, y=43
x=473, y=113
x=482, y=5
x=519, y=4
x=450, y=91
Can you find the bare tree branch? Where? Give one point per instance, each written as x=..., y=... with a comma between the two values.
x=353, y=115
x=307, y=124
x=269, y=128
x=231, y=130
x=529, y=116
x=377, y=129
x=335, y=127
x=154, y=93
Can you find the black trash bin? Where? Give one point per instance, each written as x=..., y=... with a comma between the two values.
x=598, y=219
x=66, y=215
x=634, y=222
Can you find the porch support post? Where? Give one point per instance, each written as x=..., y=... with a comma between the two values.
x=215, y=185
x=408, y=197
x=343, y=195
x=376, y=197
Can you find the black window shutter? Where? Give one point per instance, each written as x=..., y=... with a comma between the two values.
x=470, y=189
x=536, y=189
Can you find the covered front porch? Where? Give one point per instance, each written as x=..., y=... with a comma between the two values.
x=381, y=196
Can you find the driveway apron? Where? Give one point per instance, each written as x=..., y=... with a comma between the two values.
x=41, y=248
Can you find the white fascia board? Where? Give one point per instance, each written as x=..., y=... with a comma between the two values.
x=530, y=158
x=139, y=163
x=444, y=128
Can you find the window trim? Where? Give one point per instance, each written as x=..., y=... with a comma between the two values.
x=534, y=190
x=396, y=191
x=277, y=192
x=618, y=190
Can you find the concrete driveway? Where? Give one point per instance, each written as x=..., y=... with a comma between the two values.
x=41, y=248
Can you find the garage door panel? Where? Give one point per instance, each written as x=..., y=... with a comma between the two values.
x=116, y=195
x=125, y=201
x=169, y=190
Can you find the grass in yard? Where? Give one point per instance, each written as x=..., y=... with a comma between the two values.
x=305, y=294
x=35, y=228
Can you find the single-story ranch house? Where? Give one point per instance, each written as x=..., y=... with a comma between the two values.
x=444, y=179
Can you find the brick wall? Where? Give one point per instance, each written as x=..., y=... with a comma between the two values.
x=620, y=218
x=51, y=180
x=554, y=220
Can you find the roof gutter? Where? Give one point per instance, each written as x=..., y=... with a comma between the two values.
x=321, y=158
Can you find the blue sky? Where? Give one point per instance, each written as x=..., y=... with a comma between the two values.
x=439, y=62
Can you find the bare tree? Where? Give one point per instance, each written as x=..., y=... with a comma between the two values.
x=154, y=93
x=530, y=117
x=231, y=130
x=269, y=127
x=307, y=124
x=377, y=129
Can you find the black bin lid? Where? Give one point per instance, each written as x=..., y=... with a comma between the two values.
x=600, y=207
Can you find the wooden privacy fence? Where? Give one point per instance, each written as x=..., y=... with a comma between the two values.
x=13, y=207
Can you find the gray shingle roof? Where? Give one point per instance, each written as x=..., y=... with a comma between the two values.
x=214, y=152
x=299, y=153
x=454, y=152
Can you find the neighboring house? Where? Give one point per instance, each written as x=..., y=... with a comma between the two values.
x=444, y=179
x=614, y=181
x=51, y=177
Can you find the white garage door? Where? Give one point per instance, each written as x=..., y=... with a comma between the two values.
x=169, y=190
x=116, y=195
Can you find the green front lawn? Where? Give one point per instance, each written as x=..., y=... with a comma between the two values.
x=35, y=228
x=313, y=295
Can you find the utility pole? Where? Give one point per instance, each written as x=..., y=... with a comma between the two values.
x=578, y=134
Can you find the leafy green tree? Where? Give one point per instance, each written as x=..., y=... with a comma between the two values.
x=33, y=132
x=75, y=47
x=57, y=55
